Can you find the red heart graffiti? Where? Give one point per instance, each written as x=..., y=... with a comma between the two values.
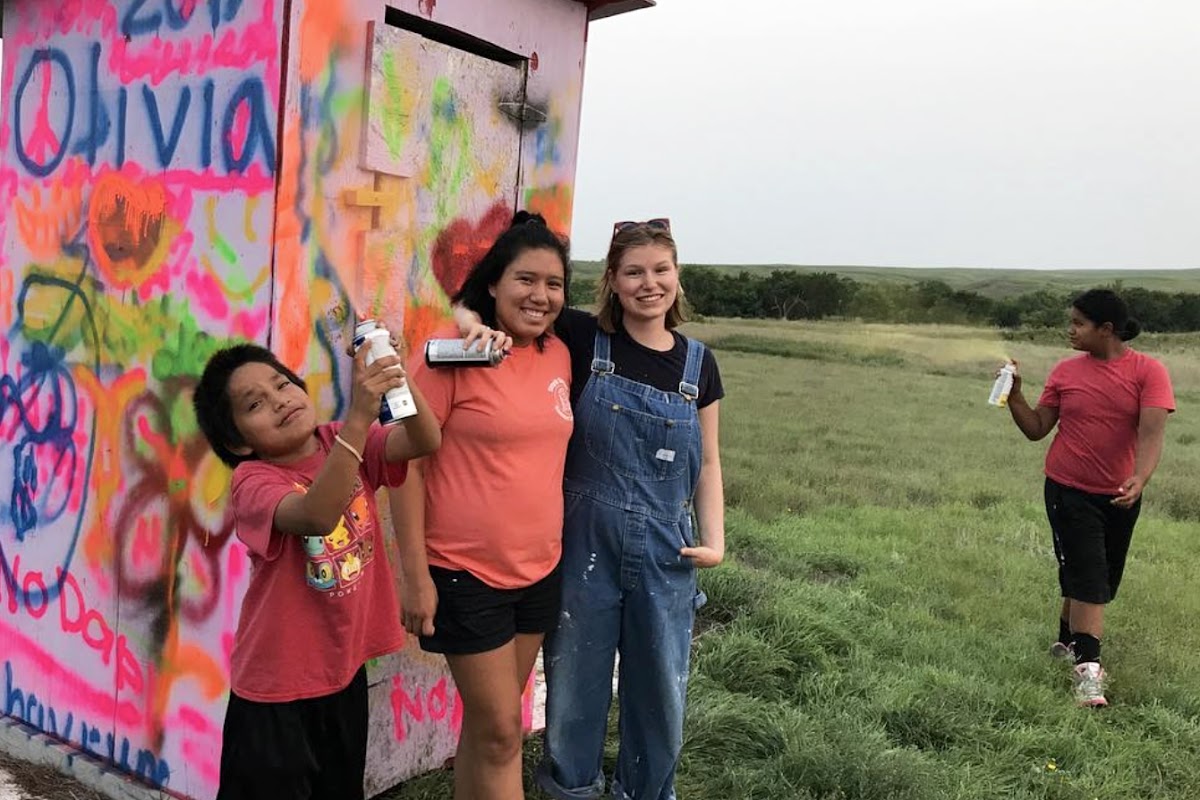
x=461, y=245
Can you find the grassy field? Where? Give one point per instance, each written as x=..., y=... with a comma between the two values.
x=880, y=628
x=993, y=283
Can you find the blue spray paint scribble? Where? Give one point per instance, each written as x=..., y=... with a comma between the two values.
x=24, y=705
x=44, y=369
x=44, y=360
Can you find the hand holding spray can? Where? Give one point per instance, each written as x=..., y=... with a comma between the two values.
x=454, y=353
x=396, y=404
x=1003, y=385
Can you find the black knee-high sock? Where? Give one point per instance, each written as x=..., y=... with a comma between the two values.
x=1087, y=648
x=1064, y=631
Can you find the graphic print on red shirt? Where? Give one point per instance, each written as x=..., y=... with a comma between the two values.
x=336, y=561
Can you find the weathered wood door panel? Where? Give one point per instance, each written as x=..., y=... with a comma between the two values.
x=442, y=141
x=442, y=137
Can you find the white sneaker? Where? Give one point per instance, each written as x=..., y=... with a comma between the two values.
x=1089, y=685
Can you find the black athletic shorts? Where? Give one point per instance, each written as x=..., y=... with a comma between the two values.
x=1091, y=540
x=473, y=617
x=314, y=749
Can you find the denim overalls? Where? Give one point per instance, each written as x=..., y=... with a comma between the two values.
x=632, y=468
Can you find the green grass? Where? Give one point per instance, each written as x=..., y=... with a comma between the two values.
x=880, y=626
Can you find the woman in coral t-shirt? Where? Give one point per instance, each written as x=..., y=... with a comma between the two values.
x=480, y=524
x=1110, y=404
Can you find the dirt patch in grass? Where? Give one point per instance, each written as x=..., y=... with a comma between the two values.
x=45, y=783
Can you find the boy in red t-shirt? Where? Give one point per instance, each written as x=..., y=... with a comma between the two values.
x=1110, y=405
x=321, y=600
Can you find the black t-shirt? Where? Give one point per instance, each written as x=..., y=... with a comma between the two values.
x=661, y=369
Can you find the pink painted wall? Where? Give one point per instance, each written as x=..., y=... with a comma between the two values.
x=137, y=182
x=173, y=175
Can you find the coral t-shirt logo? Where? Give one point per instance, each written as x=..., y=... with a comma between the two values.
x=562, y=398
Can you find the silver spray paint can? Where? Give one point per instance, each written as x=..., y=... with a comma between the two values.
x=396, y=404
x=453, y=353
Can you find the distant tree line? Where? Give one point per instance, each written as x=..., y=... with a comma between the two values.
x=788, y=294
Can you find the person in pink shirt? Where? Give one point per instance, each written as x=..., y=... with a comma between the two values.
x=1110, y=405
x=321, y=599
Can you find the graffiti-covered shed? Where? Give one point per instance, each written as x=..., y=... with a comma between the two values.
x=177, y=174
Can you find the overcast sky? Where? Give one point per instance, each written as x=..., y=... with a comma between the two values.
x=994, y=133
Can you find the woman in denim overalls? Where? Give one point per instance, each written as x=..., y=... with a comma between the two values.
x=642, y=462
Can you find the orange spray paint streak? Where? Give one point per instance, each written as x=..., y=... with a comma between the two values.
x=248, y=224
x=555, y=204
x=324, y=29
x=331, y=40
x=6, y=297
x=291, y=276
x=180, y=661
x=421, y=322
x=177, y=660
x=47, y=221
x=108, y=403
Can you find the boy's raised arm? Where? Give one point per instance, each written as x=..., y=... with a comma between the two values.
x=416, y=436
x=317, y=511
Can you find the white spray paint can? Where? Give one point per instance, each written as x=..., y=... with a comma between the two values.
x=396, y=404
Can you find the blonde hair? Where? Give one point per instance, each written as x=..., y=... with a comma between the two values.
x=608, y=306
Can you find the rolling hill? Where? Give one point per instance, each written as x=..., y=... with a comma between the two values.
x=993, y=283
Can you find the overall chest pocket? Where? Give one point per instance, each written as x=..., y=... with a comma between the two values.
x=644, y=443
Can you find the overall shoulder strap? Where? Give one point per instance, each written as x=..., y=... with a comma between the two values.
x=601, y=359
x=689, y=387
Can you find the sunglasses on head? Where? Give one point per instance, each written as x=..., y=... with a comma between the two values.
x=658, y=223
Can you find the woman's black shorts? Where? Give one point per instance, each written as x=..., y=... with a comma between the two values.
x=1091, y=540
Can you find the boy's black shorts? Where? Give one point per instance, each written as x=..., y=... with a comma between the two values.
x=315, y=749
x=1091, y=540
x=473, y=617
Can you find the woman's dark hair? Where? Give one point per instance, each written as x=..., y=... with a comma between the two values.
x=527, y=232
x=214, y=411
x=1103, y=306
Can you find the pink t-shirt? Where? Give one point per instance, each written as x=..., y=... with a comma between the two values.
x=1099, y=403
x=493, y=491
x=318, y=607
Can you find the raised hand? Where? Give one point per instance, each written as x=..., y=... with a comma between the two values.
x=1016, y=375
x=369, y=382
x=472, y=329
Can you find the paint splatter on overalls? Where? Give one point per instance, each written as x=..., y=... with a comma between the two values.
x=632, y=468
